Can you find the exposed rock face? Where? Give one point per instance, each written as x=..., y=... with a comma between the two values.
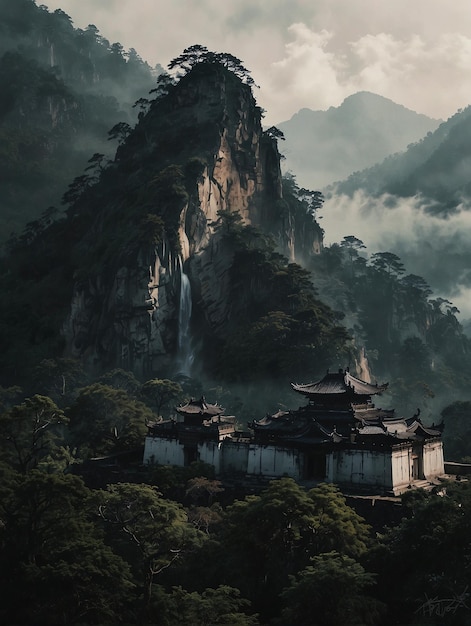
x=130, y=322
x=129, y=317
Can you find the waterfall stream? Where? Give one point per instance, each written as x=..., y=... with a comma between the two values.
x=185, y=351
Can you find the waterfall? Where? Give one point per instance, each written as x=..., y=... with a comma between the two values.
x=185, y=352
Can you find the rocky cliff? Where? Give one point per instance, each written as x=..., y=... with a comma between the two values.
x=198, y=152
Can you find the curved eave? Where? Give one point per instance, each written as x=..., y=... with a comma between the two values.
x=339, y=385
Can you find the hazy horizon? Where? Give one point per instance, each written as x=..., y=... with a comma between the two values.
x=307, y=54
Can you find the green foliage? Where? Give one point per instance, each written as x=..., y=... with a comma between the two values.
x=172, y=480
x=457, y=432
x=29, y=432
x=120, y=131
x=156, y=530
x=410, y=394
x=158, y=393
x=414, y=340
x=121, y=379
x=269, y=537
x=222, y=605
x=59, y=378
x=105, y=420
x=415, y=359
x=201, y=488
x=281, y=324
x=387, y=263
x=54, y=565
x=338, y=527
x=330, y=592
x=51, y=117
x=151, y=229
x=427, y=555
x=197, y=54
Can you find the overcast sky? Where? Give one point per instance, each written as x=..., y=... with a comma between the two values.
x=307, y=53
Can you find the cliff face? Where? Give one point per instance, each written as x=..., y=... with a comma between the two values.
x=199, y=150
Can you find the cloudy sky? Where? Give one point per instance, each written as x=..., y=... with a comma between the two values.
x=307, y=53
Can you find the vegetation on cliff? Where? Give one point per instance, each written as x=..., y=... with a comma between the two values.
x=119, y=211
x=61, y=90
x=411, y=338
x=84, y=541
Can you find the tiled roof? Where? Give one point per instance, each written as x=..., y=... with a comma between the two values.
x=199, y=407
x=340, y=383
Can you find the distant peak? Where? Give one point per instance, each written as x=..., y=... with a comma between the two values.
x=360, y=103
x=364, y=97
x=370, y=99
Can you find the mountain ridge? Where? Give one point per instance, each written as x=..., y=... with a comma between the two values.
x=61, y=90
x=322, y=147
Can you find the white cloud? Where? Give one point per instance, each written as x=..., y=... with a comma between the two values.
x=430, y=246
x=307, y=76
x=417, y=73
x=428, y=77
x=307, y=54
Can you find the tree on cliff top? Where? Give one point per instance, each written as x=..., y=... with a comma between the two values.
x=200, y=54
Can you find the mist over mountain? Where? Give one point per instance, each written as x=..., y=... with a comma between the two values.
x=61, y=90
x=325, y=146
x=167, y=257
x=436, y=168
x=416, y=204
x=189, y=254
x=189, y=230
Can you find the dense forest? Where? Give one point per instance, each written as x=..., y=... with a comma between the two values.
x=88, y=535
x=90, y=543
x=63, y=89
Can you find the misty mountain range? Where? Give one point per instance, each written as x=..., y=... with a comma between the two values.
x=397, y=180
x=417, y=205
x=182, y=263
x=437, y=167
x=322, y=147
x=62, y=89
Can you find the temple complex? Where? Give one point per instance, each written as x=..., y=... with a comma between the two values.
x=340, y=436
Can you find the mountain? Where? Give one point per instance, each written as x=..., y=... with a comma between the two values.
x=437, y=168
x=61, y=90
x=325, y=146
x=420, y=202
x=180, y=250
x=188, y=254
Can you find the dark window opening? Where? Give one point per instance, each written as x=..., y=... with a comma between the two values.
x=190, y=455
x=315, y=466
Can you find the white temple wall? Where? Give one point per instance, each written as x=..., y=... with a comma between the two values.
x=360, y=468
x=273, y=461
x=388, y=470
x=434, y=464
x=210, y=452
x=234, y=456
x=402, y=466
x=163, y=451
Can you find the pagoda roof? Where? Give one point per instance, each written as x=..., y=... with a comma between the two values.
x=374, y=413
x=286, y=426
x=200, y=407
x=340, y=383
x=372, y=427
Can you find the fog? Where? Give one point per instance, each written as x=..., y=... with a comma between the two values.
x=307, y=54
x=433, y=247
